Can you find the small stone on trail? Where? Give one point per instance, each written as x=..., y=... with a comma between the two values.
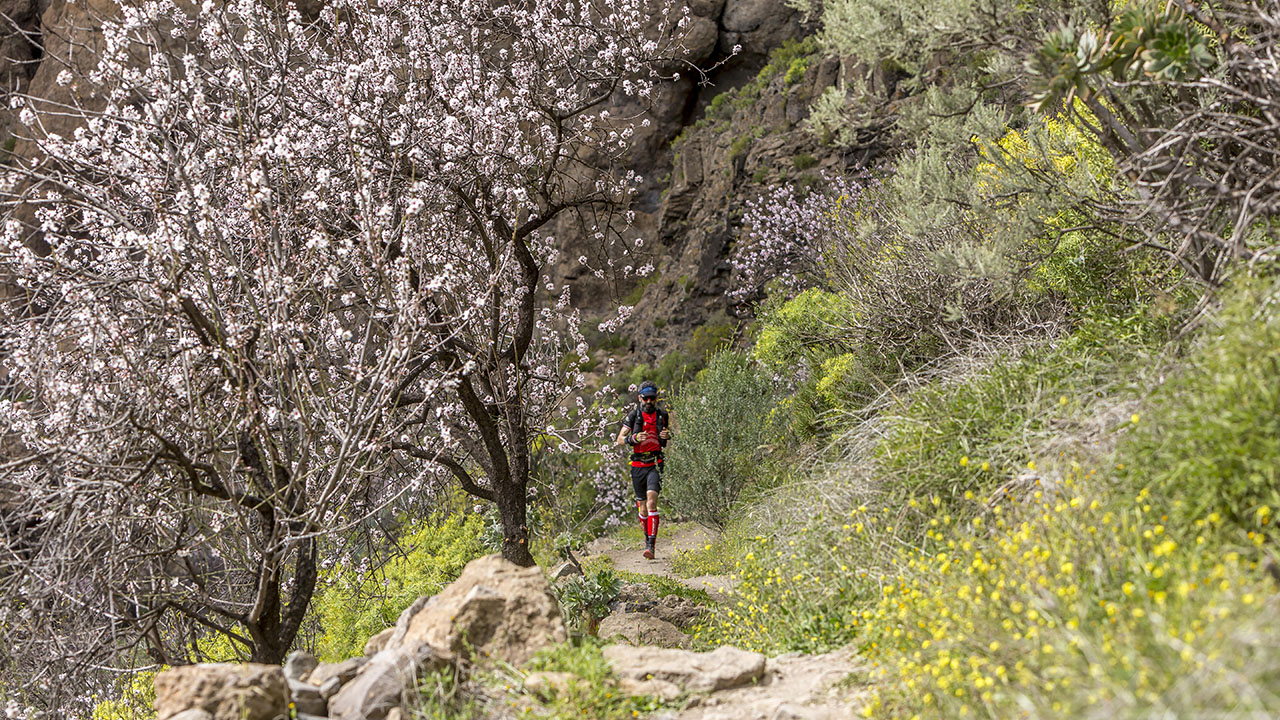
x=330, y=687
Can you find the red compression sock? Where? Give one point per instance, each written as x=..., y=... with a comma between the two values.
x=652, y=528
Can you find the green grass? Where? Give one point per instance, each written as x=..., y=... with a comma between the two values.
x=1209, y=442
x=1117, y=574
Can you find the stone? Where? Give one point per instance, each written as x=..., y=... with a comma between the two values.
x=402, y=622
x=547, y=684
x=678, y=611
x=307, y=698
x=706, y=8
x=226, y=691
x=378, y=642
x=700, y=39
x=722, y=668
x=344, y=671
x=564, y=570
x=330, y=687
x=642, y=629
x=661, y=689
x=494, y=609
x=395, y=714
x=299, y=665
x=380, y=685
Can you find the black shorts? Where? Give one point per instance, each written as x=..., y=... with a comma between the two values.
x=646, y=479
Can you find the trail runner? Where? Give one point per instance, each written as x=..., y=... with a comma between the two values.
x=646, y=429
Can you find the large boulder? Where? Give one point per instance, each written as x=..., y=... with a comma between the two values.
x=723, y=668
x=226, y=691
x=495, y=609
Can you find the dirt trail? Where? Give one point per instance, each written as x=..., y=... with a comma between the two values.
x=794, y=686
x=672, y=538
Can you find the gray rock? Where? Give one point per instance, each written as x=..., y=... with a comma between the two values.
x=378, y=642
x=661, y=689
x=700, y=38
x=330, y=687
x=722, y=668
x=227, y=691
x=344, y=671
x=299, y=665
x=642, y=629
x=307, y=698
x=678, y=611
x=395, y=714
x=564, y=570
x=402, y=622
x=706, y=8
x=381, y=683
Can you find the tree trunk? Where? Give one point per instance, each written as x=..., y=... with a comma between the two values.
x=515, y=530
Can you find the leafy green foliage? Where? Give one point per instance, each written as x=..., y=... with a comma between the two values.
x=1210, y=442
x=354, y=607
x=135, y=699
x=805, y=329
x=584, y=599
x=1158, y=43
x=722, y=426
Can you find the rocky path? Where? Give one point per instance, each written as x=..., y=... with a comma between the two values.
x=672, y=538
x=793, y=686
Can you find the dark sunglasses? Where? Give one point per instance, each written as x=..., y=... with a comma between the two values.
x=648, y=397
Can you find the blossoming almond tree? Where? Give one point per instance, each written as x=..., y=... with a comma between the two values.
x=294, y=271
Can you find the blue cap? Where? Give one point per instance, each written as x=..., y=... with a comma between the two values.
x=648, y=388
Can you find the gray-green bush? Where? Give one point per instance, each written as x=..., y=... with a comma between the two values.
x=722, y=420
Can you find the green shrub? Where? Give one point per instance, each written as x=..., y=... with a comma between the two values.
x=584, y=599
x=796, y=70
x=1210, y=441
x=134, y=700
x=717, y=452
x=804, y=161
x=353, y=608
x=804, y=330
